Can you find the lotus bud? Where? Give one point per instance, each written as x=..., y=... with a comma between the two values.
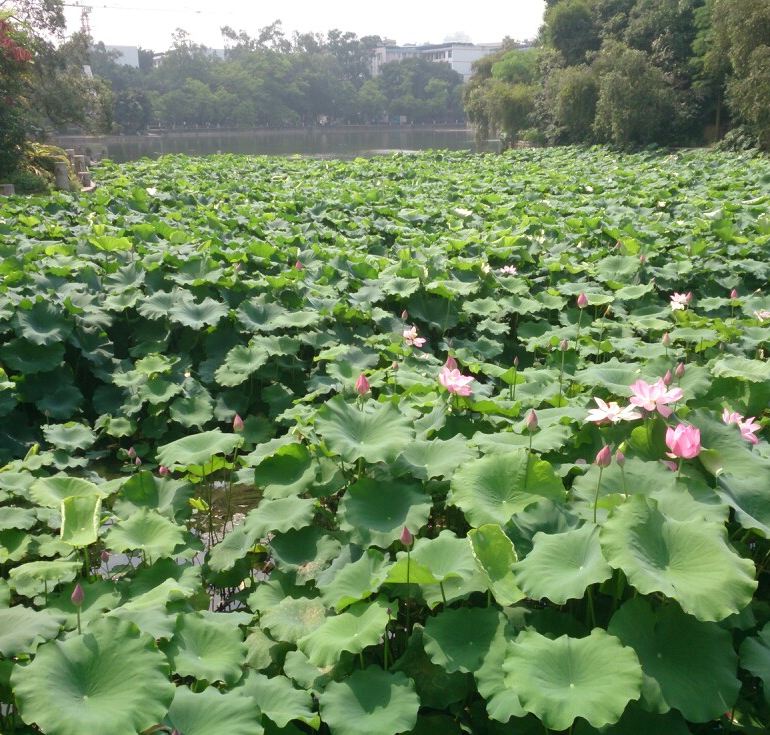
x=620, y=458
x=642, y=258
x=532, y=421
x=666, y=339
x=451, y=363
x=394, y=366
x=105, y=556
x=404, y=314
x=734, y=294
x=516, y=361
x=138, y=462
x=406, y=537
x=77, y=595
x=298, y=266
x=667, y=378
x=237, y=423
x=679, y=372
x=131, y=453
x=164, y=471
x=362, y=385
x=564, y=345
x=582, y=300
x=604, y=456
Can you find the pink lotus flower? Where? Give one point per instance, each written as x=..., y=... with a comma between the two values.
x=455, y=382
x=582, y=301
x=603, y=456
x=362, y=385
x=680, y=301
x=683, y=441
x=450, y=363
x=655, y=397
x=611, y=413
x=731, y=417
x=508, y=270
x=164, y=471
x=748, y=427
x=411, y=338
x=762, y=315
x=299, y=266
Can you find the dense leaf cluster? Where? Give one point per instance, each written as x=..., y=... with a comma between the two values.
x=402, y=559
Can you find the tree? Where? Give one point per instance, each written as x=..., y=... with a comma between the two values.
x=570, y=28
x=15, y=58
x=572, y=94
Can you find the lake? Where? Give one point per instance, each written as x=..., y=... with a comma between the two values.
x=342, y=142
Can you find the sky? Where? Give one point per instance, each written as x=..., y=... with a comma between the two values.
x=150, y=23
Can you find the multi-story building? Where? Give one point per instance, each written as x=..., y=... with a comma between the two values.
x=459, y=56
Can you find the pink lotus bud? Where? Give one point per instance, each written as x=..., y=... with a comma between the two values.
x=642, y=258
x=689, y=296
x=604, y=456
x=666, y=339
x=734, y=294
x=516, y=361
x=362, y=385
x=237, y=423
x=404, y=314
x=667, y=378
x=138, y=462
x=564, y=345
x=406, y=537
x=164, y=471
x=683, y=441
x=77, y=595
x=299, y=266
x=620, y=458
x=679, y=371
x=131, y=453
x=394, y=366
x=451, y=363
x=105, y=556
x=582, y=300
x=532, y=420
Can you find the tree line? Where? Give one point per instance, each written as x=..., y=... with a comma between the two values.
x=632, y=72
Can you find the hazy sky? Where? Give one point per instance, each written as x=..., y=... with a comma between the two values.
x=149, y=23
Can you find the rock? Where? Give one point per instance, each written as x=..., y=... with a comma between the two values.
x=7, y=190
x=62, y=176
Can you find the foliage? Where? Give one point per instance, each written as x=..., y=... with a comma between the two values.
x=208, y=523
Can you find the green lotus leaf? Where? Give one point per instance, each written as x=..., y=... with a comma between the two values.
x=15, y=545
x=29, y=358
x=689, y=561
x=80, y=519
x=69, y=436
x=277, y=698
x=206, y=650
x=378, y=433
x=112, y=673
x=23, y=629
x=240, y=362
x=547, y=439
x=447, y=556
x=372, y=701
x=495, y=557
x=293, y=618
x=743, y=368
x=612, y=375
x=755, y=658
x=14, y=517
x=352, y=580
x=197, y=316
x=110, y=244
x=98, y=597
x=458, y=639
x=232, y=548
x=563, y=679
x=637, y=721
x=195, y=408
x=688, y=665
x=290, y=471
x=361, y=625
x=55, y=393
x=502, y=703
x=375, y=512
x=281, y=515
x=197, y=449
x=562, y=565
x=36, y=577
x=425, y=459
x=158, y=390
x=51, y=491
x=435, y=687
x=43, y=324
x=211, y=712
x=408, y=571
x=494, y=488
x=147, y=530
x=306, y=551
x=144, y=490
x=155, y=363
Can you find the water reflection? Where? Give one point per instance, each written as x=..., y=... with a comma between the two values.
x=316, y=142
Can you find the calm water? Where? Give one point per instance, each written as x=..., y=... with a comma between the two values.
x=319, y=142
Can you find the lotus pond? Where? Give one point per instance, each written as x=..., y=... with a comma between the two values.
x=501, y=421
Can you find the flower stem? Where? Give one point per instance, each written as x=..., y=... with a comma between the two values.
x=577, y=336
x=408, y=590
x=598, y=485
x=512, y=388
x=591, y=612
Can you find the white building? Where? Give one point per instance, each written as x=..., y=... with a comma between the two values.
x=127, y=55
x=459, y=56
